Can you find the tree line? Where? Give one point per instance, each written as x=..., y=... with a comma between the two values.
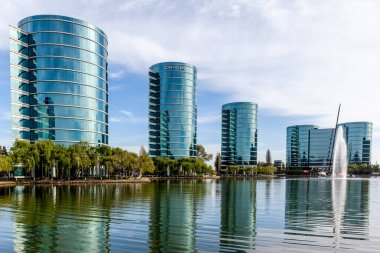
x=46, y=159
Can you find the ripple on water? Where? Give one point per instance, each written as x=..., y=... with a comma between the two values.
x=295, y=215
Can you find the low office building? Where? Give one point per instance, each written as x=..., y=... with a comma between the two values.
x=278, y=164
x=307, y=146
x=239, y=134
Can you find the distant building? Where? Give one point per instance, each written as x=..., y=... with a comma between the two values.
x=59, y=80
x=307, y=146
x=172, y=110
x=239, y=134
x=278, y=164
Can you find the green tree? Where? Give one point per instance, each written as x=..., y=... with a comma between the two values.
x=233, y=169
x=45, y=150
x=267, y=170
x=62, y=161
x=164, y=165
x=24, y=154
x=218, y=163
x=106, y=158
x=268, y=158
x=144, y=163
x=202, y=154
x=6, y=164
x=3, y=150
x=94, y=156
x=79, y=156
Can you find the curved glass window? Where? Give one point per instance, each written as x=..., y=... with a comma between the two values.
x=69, y=123
x=63, y=26
x=63, y=135
x=71, y=52
x=20, y=122
x=177, y=94
x=179, y=101
x=65, y=87
x=19, y=73
x=67, y=75
x=175, y=83
x=21, y=98
x=20, y=109
x=20, y=134
x=18, y=60
x=183, y=108
x=18, y=48
x=64, y=63
x=67, y=111
x=69, y=39
x=176, y=75
x=62, y=18
x=61, y=99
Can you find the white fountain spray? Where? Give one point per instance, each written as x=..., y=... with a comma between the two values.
x=339, y=169
x=338, y=198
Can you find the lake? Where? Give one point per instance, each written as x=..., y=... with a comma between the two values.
x=276, y=215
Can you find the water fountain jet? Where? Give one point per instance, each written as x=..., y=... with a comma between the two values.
x=339, y=168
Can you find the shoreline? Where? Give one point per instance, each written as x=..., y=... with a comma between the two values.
x=30, y=182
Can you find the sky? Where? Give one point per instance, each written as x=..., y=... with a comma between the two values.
x=297, y=59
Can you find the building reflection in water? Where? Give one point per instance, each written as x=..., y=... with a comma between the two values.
x=356, y=215
x=61, y=218
x=238, y=215
x=335, y=209
x=173, y=214
x=183, y=216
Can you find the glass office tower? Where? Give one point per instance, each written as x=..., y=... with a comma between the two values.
x=239, y=134
x=311, y=147
x=358, y=137
x=59, y=80
x=321, y=144
x=172, y=110
x=297, y=145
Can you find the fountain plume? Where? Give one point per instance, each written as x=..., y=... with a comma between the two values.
x=339, y=169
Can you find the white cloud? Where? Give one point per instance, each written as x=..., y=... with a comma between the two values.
x=116, y=74
x=291, y=57
x=127, y=116
x=208, y=119
x=296, y=58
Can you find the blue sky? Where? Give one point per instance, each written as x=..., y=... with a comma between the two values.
x=297, y=59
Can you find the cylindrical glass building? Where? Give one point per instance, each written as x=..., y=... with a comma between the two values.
x=358, y=137
x=239, y=134
x=172, y=110
x=59, y=80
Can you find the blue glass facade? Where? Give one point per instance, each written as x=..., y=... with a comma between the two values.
x=172, y=110
x=239, y=134
x=359, y=142
x=321, y=144
x=59, y=80
x=308, y=146
x=297, y=145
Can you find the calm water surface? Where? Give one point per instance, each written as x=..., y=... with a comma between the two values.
x=281, y=215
